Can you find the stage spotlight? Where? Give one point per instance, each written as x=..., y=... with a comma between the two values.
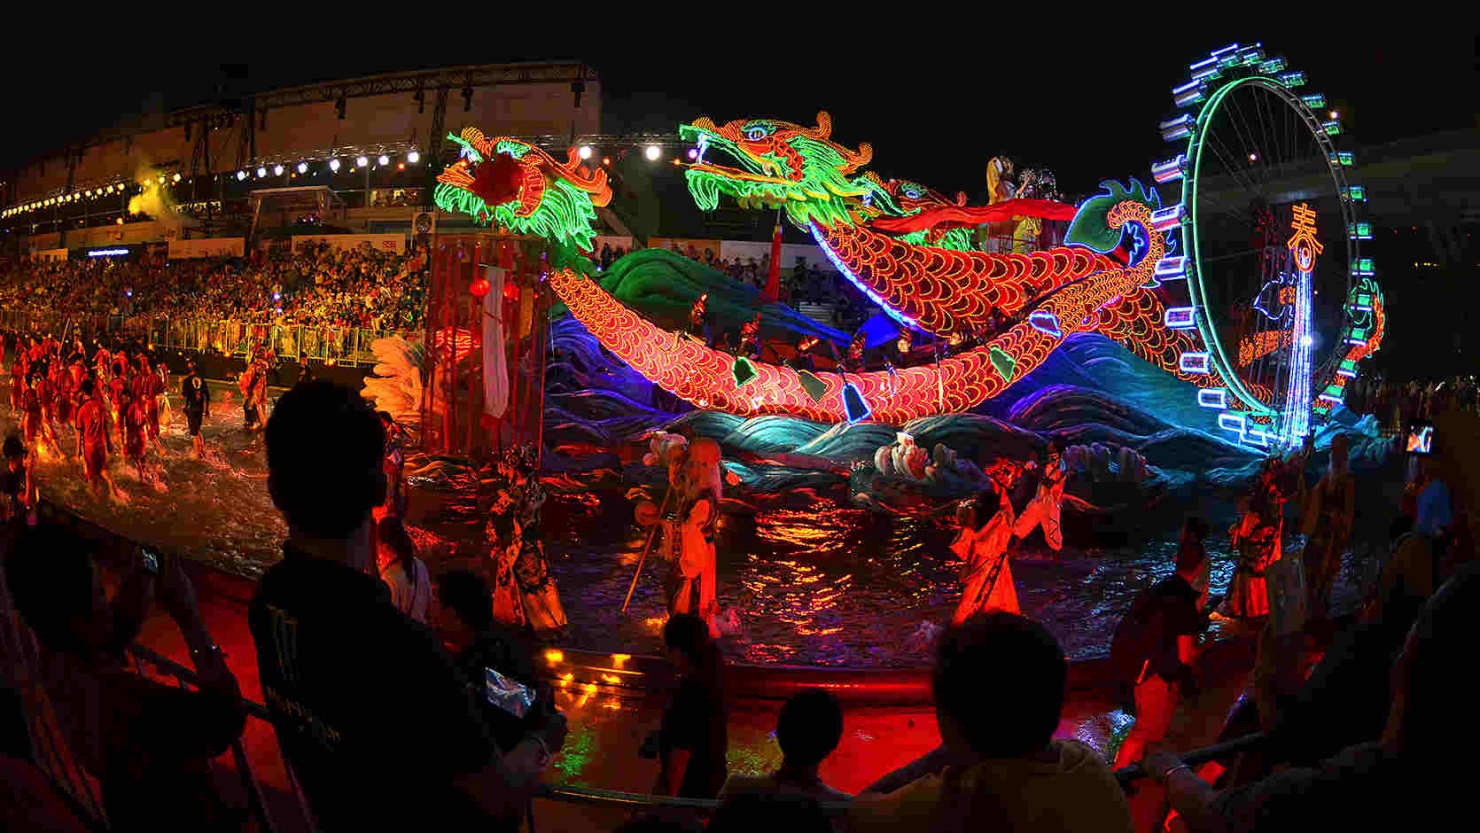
x=333, y=164
x=161, y=179
x=302, y=167
x=277, y=170
x=586, y=151
x=606, y=160
x=693, y=154
x=261, y=172
x=362, y=161
x=241, y=175
x=413, y=157
x=652, y=152
x=400, y=166
x=177, y=177
x=383, y=160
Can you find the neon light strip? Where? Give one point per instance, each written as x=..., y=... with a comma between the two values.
x=854, y=279
x=106, y=252
x=1296, y=422
x=1172, y=268
x=1216, y=53
x=1181, y=318
x=1213, y=398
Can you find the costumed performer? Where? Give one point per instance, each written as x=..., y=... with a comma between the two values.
x=1047, y=502
x=1256, y=537
x=693, y=581
x=503, y=543
x=986, y=529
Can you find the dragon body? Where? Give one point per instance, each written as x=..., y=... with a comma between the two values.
x=1037, y=299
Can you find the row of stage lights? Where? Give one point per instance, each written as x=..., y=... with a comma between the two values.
x=652, y=153
x=122, y=188
x=335, y=164
x=119, y=189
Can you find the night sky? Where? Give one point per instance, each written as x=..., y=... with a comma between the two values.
x=935, y=107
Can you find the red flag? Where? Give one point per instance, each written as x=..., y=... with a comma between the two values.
x=772, y=293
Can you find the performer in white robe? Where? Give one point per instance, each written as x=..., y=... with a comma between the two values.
x=987, y=576
x=1047, y=502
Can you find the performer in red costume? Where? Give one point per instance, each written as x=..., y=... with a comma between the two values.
x=93, y=438
x=135, y=433
x=986, y=529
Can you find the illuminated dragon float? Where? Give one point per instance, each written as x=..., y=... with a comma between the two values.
x=877, y=234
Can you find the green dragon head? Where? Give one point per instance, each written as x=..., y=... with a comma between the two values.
x=782, y=165
x=523, y=189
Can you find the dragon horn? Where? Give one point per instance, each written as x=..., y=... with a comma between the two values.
x=704, y=123
x=824, y=124
x=865, y=153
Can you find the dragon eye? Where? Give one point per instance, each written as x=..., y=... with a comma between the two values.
x=756, y=132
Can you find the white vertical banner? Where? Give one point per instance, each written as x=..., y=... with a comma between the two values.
x=495, y=363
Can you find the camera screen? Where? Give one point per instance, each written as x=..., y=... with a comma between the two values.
x=1420, y=438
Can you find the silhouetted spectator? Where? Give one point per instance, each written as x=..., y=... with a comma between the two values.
x=147, y=743
x=808, y=730
x=1000, y=685
x=464, y=618
x=403, y=573
x=694, y=739
x=333, y=651
x=1414, y=777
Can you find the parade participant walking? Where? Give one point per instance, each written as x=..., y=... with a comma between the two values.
x=197, y=397
x=18, y=381
x=394, y=464
x=94, y=439
x=135, y=433
x=1329, y=516
x=1046, y=504
x=986, y=529
x=33, y=416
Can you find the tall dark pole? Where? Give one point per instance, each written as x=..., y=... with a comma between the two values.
x=434, y=148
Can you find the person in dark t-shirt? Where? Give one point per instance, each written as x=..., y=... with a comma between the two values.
x=333, y=652
x=197, y=398
x=694, y=739
x=1154, y=648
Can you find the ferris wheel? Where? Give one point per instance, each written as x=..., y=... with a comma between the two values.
x=1270, y=271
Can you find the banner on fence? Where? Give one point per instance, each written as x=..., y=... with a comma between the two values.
x=207, y=247
x=49, y=254
x=384, y=242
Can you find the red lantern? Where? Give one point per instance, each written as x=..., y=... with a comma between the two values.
x=511, y=291
x=479, y=288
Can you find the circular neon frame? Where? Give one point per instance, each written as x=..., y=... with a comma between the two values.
x=1196, y=290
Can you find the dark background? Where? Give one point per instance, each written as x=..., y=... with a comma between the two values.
x=937, y=93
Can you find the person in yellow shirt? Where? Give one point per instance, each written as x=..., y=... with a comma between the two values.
x=999, y=685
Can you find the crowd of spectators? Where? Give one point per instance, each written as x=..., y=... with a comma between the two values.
x=1396, y=404
x=314, y=286
x=1340, y=744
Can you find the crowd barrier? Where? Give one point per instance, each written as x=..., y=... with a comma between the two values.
x=348, y=346
x=61, y=768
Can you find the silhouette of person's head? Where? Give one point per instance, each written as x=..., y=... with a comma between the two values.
x=324, y=450
x=999, y=684
x=809, y=727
